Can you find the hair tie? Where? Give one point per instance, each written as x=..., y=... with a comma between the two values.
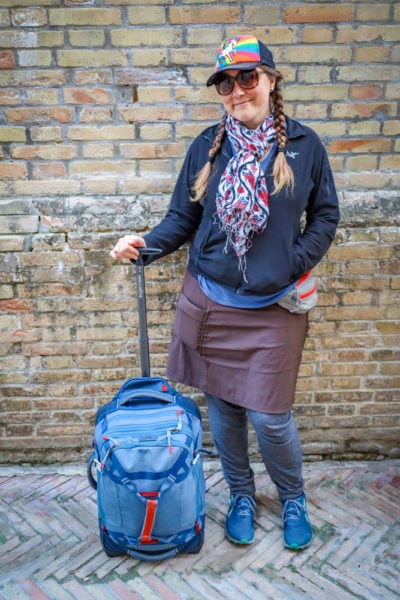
x=281, y=149
x=210, y=159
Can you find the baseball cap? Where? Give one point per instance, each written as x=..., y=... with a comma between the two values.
x=241, y=52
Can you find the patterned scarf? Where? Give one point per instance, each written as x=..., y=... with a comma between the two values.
x=242, y=197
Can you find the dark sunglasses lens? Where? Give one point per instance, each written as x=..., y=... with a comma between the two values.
x=247, y=79
x=225, y=85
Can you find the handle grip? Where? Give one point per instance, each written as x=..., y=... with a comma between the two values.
x=153, y=557
x=147, y=395
x=145, y=252
x=89, y=472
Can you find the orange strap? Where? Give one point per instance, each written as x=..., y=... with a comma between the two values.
x=309, y=293
x=303, y=278
x=151, y=509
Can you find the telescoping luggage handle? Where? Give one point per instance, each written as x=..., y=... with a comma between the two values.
x=142, y=309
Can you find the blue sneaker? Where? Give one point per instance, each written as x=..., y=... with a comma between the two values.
x=297, y=530
x=239, y=522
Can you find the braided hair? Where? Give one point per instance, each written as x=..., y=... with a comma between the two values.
x=283, y=174
x=203, y=177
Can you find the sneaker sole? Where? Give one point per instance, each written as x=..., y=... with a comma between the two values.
x=242, y=542
x=296, y=547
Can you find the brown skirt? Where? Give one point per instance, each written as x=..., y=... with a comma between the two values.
x=249, y=357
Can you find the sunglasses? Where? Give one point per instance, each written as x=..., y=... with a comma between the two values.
x=247, y=80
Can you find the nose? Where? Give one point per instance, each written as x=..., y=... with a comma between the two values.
x=237, y=89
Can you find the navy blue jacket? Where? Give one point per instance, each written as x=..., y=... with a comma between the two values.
x=288, y=247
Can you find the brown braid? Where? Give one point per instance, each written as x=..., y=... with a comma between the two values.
x=283, y=174
x=203, y=177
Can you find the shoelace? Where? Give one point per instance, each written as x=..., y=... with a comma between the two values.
x=244, y=505
x=293, y=509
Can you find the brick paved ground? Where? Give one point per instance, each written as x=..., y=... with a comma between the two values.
x=50, y=548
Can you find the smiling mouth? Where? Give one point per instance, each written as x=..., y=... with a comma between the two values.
x=241, y=103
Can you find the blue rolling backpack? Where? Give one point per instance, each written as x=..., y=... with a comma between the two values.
x=147, y=458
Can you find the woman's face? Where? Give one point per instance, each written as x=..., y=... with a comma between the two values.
x=249, y=106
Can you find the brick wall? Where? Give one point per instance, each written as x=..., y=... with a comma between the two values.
x=99, y=100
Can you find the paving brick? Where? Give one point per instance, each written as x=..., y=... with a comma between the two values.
x=353, y=506
x=33, y=590
x=122, y=590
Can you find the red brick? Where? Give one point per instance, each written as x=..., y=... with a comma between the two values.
x=6, y=59
x=318, y=13
x=360, y=145
x=49, y=170
x=366, y=92
x=87, y=96
x=9, y=98
x=15, y=305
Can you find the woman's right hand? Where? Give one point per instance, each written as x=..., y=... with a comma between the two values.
x=126, y=247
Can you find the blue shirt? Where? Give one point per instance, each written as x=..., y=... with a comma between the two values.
x=222, y=295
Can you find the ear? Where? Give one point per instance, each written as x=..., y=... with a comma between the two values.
x=272, y=83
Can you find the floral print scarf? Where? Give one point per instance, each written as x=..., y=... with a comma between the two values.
x=242, y=197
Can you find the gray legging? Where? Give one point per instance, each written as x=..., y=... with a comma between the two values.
x=278, y=440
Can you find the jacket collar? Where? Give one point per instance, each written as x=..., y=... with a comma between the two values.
x=294, y=129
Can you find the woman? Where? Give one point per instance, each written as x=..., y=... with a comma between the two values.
x=241, y=318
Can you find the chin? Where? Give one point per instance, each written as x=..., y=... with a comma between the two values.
x=243, y=116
